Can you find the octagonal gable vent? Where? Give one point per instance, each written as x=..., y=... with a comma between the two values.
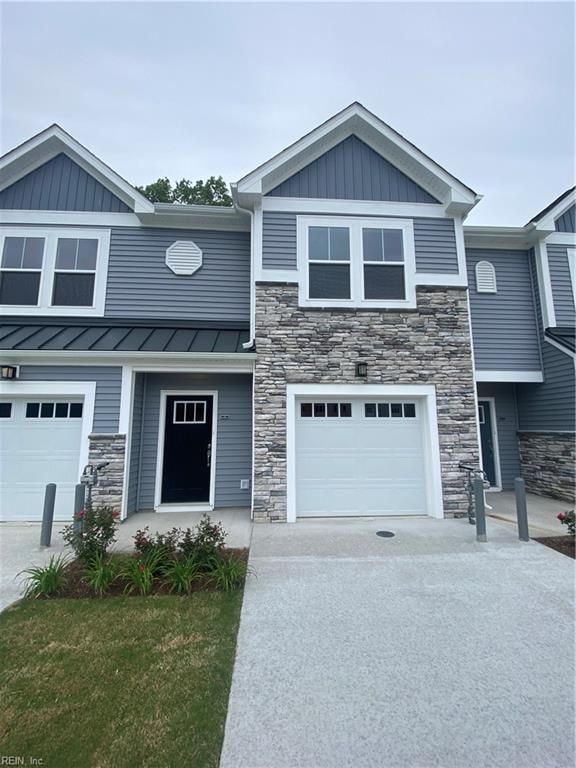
x=184, y=257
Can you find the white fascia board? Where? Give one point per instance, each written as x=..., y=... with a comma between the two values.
x=548, y=222
x=40, y=148
x=561, y=238
x=352, y=207
x=513, y=238
x=138, y=360
x=69, y=218
x=526, y=377
x=354, y=119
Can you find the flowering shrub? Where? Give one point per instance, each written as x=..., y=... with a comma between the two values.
x=92, y=532
x=201, y=544
x=165, y=544
x=568, y=519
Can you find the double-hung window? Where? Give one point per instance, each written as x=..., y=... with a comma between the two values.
x=53, y=271
x=356, y=262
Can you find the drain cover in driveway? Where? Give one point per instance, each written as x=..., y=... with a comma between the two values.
x=385, y=534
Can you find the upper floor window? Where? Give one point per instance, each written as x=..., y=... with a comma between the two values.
x=356, y=262
x=53, y=271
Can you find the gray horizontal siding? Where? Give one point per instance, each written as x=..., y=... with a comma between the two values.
x=60, y=185
x=108, y=388
x=561, y=284
x=507, y=428
x=504, y=327
x=352, y=171
x=434, y=240
x=141, y=285
x=550, y=406
x=567, y=222
x=136, y=442
x=234, y=434
x=435, y=244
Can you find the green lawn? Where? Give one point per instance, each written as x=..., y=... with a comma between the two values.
x=123, y=681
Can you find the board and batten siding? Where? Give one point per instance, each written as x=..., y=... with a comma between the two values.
x=504, y=325
x=108, y=381
x=141, y=285
x=507, y=428
x=135, y=442
x=352, y=171
x=566, y=222
x=233, y=438
x=60, y=185
x=434, y=241
x=561, y=281
x=550, y=406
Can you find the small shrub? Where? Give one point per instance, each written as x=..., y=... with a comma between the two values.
x=180, y=574
x=227, y=574
x=568, y=519
x=140, y=572
x=203, y=542
x=100, y=574
x=92, y=533
x=48, y=580
x=165, y=545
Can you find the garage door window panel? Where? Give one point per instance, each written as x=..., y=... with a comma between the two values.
x=5, y=410
x=53, y=410
x=322, y=410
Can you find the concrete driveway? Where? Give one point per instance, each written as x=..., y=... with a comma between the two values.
x=427, y=649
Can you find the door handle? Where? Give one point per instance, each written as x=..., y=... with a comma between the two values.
x=208, y=454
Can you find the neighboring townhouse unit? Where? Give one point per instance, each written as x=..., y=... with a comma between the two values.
x=337, y=343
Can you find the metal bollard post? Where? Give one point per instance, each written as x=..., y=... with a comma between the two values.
x=521, y=509
x=79, y=493
x=480, y=509
x=48, y=515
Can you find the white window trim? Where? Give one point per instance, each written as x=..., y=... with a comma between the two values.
x=200, y=506
x=84, y=389
x=355, y=226
x=44, y=306
x=571, y=254
x=424, y=392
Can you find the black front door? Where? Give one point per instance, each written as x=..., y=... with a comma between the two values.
x=187, y=449
x=487, y=443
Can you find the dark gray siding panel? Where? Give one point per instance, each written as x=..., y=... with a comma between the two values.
x=435, y=244
x=507, y=427
x=141, y=285
x=352, y=171
x=60, y=185
x=279, y=240
x=234, y=434
x=136, y=442
x=561, y=284
x=567, y=222
x=549, y=406
x=504, y=327
x=434, y=241
x=108, y=388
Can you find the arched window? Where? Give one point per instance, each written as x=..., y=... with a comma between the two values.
x=485, y=277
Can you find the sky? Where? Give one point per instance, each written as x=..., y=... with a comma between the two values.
x=198, y=89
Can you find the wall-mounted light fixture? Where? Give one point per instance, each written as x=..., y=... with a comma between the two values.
x=361, y=370
x=9, y=372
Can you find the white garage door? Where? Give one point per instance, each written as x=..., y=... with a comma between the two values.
x=360, y=457
x=39, y=444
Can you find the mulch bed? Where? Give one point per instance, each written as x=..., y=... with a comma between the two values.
x=564, y=544
x=76, y=588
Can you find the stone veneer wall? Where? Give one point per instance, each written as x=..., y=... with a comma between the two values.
x=112, y=448
x=548, y=461
x=429, y=345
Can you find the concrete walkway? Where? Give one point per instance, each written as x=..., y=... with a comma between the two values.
x=542, y=512
x=20, y=549
x=427, y=649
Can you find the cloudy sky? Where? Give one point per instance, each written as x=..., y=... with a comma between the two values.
x=195, y=89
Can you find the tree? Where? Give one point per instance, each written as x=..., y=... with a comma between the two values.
x=213, y=191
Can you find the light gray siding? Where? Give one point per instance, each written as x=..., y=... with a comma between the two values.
x=108, y=388
x=507, y=429
x=504, y=327
x=234, y=433
x=136, y=442
x=550, y=406
x=567, y=222
x=352, y=171
x=141, y=285
x=60, y=185
x=434, y=240
x=561, y=284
